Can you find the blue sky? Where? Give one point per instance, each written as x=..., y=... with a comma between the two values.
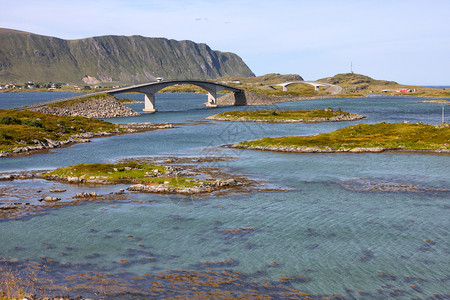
x=403, y=40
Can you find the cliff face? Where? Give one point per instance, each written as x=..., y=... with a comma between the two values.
x=30, y=57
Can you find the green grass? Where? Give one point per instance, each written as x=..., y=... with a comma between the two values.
x=281, y=115
x=260, y=85
x=81, y=100
x=384, y=135
x=357, y=85
x=21, y=128
x=129, y=172
x=267, y=79
x=183, y=88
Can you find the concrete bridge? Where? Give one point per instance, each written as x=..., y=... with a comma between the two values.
x=150, y=89
x=337, y=89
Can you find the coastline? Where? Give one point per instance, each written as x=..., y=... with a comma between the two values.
x=44, y=147
x=362, y=138
x=327, y=150
x=80, y=189
x=362, y=192
x=340, y=118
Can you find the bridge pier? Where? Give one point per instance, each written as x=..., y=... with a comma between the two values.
x=212, y=99
x=149, y=103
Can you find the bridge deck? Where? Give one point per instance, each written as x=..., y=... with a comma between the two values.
x=134, y=88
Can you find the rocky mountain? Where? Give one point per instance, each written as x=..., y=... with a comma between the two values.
x=123, y=59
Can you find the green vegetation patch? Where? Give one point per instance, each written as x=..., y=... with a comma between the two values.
x=357, y=85
x=267, y=79
x=25, y=128
x=384, y=135
x=281, y=116
x=128, y=172
x=183, y=88
x=81, y=100
x=262, y=85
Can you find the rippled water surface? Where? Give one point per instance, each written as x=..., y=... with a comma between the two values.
x=326, y=225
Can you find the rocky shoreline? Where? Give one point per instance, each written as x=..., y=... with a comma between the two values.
x=140, y=185
x=328, y=150
x=203, y=188
x=84, y=137
x=78, y=189
x=103, y=107
x=339, y=118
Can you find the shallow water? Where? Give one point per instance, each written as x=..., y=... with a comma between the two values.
x=324, y=226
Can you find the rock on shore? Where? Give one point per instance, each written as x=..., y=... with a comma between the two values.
x=304, y=149
x=99, y=108
x=338, y=118
x=84, y=137
x=203, y=188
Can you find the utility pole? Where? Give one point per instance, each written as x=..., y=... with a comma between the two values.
x=351, y=67
x=443, y=113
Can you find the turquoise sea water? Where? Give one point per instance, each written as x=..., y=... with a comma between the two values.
x=325, y=225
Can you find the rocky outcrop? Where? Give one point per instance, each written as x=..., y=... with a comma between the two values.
x=337, y=118
x=303, y=149
x=86, y=195
x=42, y=145
x=50, y=199
x=245, y=98
x=84, y=138
x=99, y=108
x=206, y=187
x=90, y=80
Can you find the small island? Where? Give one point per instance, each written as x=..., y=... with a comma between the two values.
x=103, y=182
x=144, y=177
x=287, y=116
x=405, y=137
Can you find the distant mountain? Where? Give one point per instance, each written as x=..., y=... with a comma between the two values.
x=124, y=59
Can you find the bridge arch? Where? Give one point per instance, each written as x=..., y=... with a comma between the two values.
x=316, y=85
x=150, y=89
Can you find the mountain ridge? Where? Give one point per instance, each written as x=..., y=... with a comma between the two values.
x=133, y=59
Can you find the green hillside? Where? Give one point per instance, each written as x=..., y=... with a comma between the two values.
x=122, y=59
x=358, y=84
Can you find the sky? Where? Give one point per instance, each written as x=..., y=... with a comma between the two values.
x=407, y=41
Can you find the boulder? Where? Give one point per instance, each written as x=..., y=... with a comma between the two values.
x=74, y=179
x=226, y=182
x=8, y=207
x=7, y=177
x=86, y=195
x=51, y=199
